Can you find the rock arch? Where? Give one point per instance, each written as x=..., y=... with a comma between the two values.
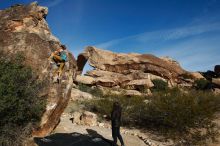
x=81, y=62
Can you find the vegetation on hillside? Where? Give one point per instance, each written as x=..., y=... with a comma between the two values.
x=202, y=84
x=20, y=106
x=183, y=116
x=95, y=91
x=159, y=85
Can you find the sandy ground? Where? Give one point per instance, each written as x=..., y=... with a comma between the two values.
x=68, y=134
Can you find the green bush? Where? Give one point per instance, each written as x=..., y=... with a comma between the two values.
x=159, y=85
x=202, y=84
x=180, y=110
x=183, y=115
x=103, y=106
x=95, y=91
x=173, y=113
x=19, y=101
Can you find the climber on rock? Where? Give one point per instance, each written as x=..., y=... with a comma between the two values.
x=59, y=57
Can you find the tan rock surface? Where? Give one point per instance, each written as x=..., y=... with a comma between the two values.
x=216, y=81
x=89, y=119
x=197, y=75
x=85, y=80
x=216, y=91
x=123, y=63
x=76, y=94
x=131, y=70
x=76, y=118
x=142, y=82
x=27, y=31
x=132, y=93
x=85, y=118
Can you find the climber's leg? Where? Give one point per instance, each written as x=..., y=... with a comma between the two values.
x=51, y=57
x=60, y=71
x=59, y=61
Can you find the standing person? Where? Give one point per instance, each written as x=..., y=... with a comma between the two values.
x=116, y=123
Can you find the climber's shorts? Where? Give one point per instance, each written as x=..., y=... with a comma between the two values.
x=59, y=61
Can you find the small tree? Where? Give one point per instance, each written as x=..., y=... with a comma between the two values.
x=159, y=85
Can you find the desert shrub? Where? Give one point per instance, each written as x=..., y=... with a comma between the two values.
x=202, y=84
x=183, y=114
x=84, y=88
x=103, y=106
x=179, y=110
x=19, y=102
x=95, y=91
x=159, y=85
x=175, y=114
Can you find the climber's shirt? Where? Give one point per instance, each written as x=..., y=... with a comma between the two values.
x=63, y=56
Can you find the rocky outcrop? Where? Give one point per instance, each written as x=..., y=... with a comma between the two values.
x=132, y=71
x=85, y=80
x=85, y=118
x=216, y=81
x=126, y=63
x=76, y=94
x=217, y=70
x=23, y=28
x=213, y=76
x=197, y=75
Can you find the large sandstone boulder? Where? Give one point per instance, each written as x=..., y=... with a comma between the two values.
x=142, y=82
x=125, y=63
x=76, y=94
x=170, y=60
x=85, y=80
x=216, y=91
x=132, y=93
x=85, y=118
x=132, y=71
x=197, y=75
x=23, y=28
x=216, y=81
x=89, y=119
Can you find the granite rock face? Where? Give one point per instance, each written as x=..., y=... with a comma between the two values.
x=23, y=28
x=132, y=71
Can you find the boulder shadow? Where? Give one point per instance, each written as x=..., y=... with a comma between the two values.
x=73, y=139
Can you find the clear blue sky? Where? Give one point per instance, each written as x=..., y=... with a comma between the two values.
x=186, y=30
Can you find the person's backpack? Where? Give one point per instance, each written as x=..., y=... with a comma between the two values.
x=63, y=56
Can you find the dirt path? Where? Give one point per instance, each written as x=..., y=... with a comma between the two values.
x=68, y=134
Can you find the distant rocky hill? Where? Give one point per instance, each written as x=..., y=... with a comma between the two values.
x=131, y=71
x=23, y=28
